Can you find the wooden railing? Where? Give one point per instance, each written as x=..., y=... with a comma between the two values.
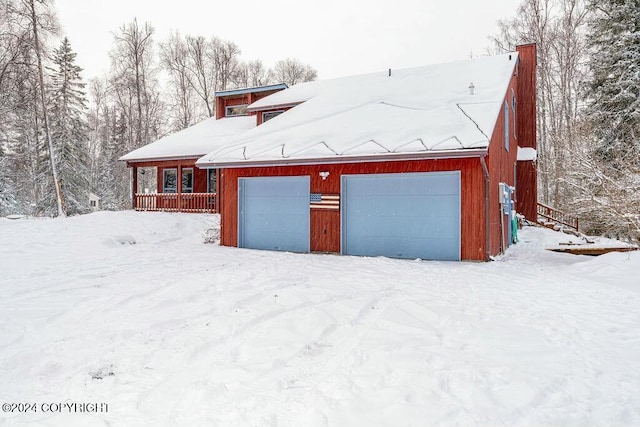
x=176, y=202
x=554, y=215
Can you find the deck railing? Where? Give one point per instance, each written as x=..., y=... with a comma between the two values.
x=554, y=215
x=176, y=202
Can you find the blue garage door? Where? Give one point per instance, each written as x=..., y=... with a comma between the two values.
x=273, y=213
x=412, y=215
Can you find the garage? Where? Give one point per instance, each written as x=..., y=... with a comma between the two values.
x=402, y=215
x=273, y=213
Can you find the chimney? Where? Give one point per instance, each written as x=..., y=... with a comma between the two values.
x=526, y=179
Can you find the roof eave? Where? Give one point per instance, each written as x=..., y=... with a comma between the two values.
x=254, y=89
x=160, y=159
x=369, y=158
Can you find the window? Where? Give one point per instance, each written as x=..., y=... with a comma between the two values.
x=187, y=180
x=506, y=125
x=236, y=110
x=93, y=203
x=270, y=115
x=513, y=107
x=211, y=181
x=170, y=181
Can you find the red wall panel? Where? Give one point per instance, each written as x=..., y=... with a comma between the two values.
x=527, y=179
x=325, y=224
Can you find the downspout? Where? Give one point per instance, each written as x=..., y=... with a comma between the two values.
x=485, y=172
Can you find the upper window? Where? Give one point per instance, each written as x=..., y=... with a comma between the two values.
x=514, y=109
x=506, y=125
x=187, y=180
x=270, y=115
x=236, y=110
x=170, y=181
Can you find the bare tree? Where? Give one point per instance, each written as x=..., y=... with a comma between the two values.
x=558, y=29
x=134, y=82
x=251, y=74
x=292, y=71
x=36, y=17
x=202, y=75
x=225, y=61
x=174, y=57
x=133, y=110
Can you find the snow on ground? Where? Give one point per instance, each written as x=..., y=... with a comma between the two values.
x=132, y=310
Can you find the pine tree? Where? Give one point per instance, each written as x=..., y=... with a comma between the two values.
x=69, y=128
x=614, y=95
x=609, y=183
x=8, y=202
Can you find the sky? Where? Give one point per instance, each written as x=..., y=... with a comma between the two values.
x=336, y=37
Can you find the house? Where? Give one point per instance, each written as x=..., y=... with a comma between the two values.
x=175, y=184
x=413, y=163
x=95, y=202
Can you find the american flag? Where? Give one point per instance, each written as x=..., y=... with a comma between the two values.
x=325, y=201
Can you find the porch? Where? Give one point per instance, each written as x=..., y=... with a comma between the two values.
x=175, y=202
x=173, y=186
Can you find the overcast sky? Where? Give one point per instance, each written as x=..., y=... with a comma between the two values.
x=336, y=37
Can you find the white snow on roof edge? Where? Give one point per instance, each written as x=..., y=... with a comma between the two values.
x=194, y=141
x=527, y=154
x=376, y=114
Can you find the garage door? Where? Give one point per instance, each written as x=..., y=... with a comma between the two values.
x=413, y=215
x=273, y=213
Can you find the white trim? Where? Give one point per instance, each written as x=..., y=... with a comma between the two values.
x=395, y=157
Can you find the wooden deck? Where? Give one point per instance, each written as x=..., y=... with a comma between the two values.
x=176, y=202
x=592, y=250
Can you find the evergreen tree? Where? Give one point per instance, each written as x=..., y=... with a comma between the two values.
x=8, y=200
x=614, y=95
x=607, y=196
x=110, y=186
x=69, y=128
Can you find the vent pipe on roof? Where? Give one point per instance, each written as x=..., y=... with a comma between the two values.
x=471, y=89
x=389, y=72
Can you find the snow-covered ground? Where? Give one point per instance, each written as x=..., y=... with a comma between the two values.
x=132, y=310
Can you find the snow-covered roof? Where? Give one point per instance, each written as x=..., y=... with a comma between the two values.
x=527, y=154
x=412, y=112
x=194, y=141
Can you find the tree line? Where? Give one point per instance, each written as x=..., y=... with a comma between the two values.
x=56, y=146
x=588, y=102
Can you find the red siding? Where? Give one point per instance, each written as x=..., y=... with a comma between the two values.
x=245, y=99
x=527, y=178
x=501, y=161
x=325, y=225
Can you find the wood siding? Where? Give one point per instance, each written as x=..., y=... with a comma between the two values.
x=245, y=99
x=325, y=224
x=500, y=163
x=527, y=178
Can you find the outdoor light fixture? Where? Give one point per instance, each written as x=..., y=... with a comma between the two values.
x=324, y=174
